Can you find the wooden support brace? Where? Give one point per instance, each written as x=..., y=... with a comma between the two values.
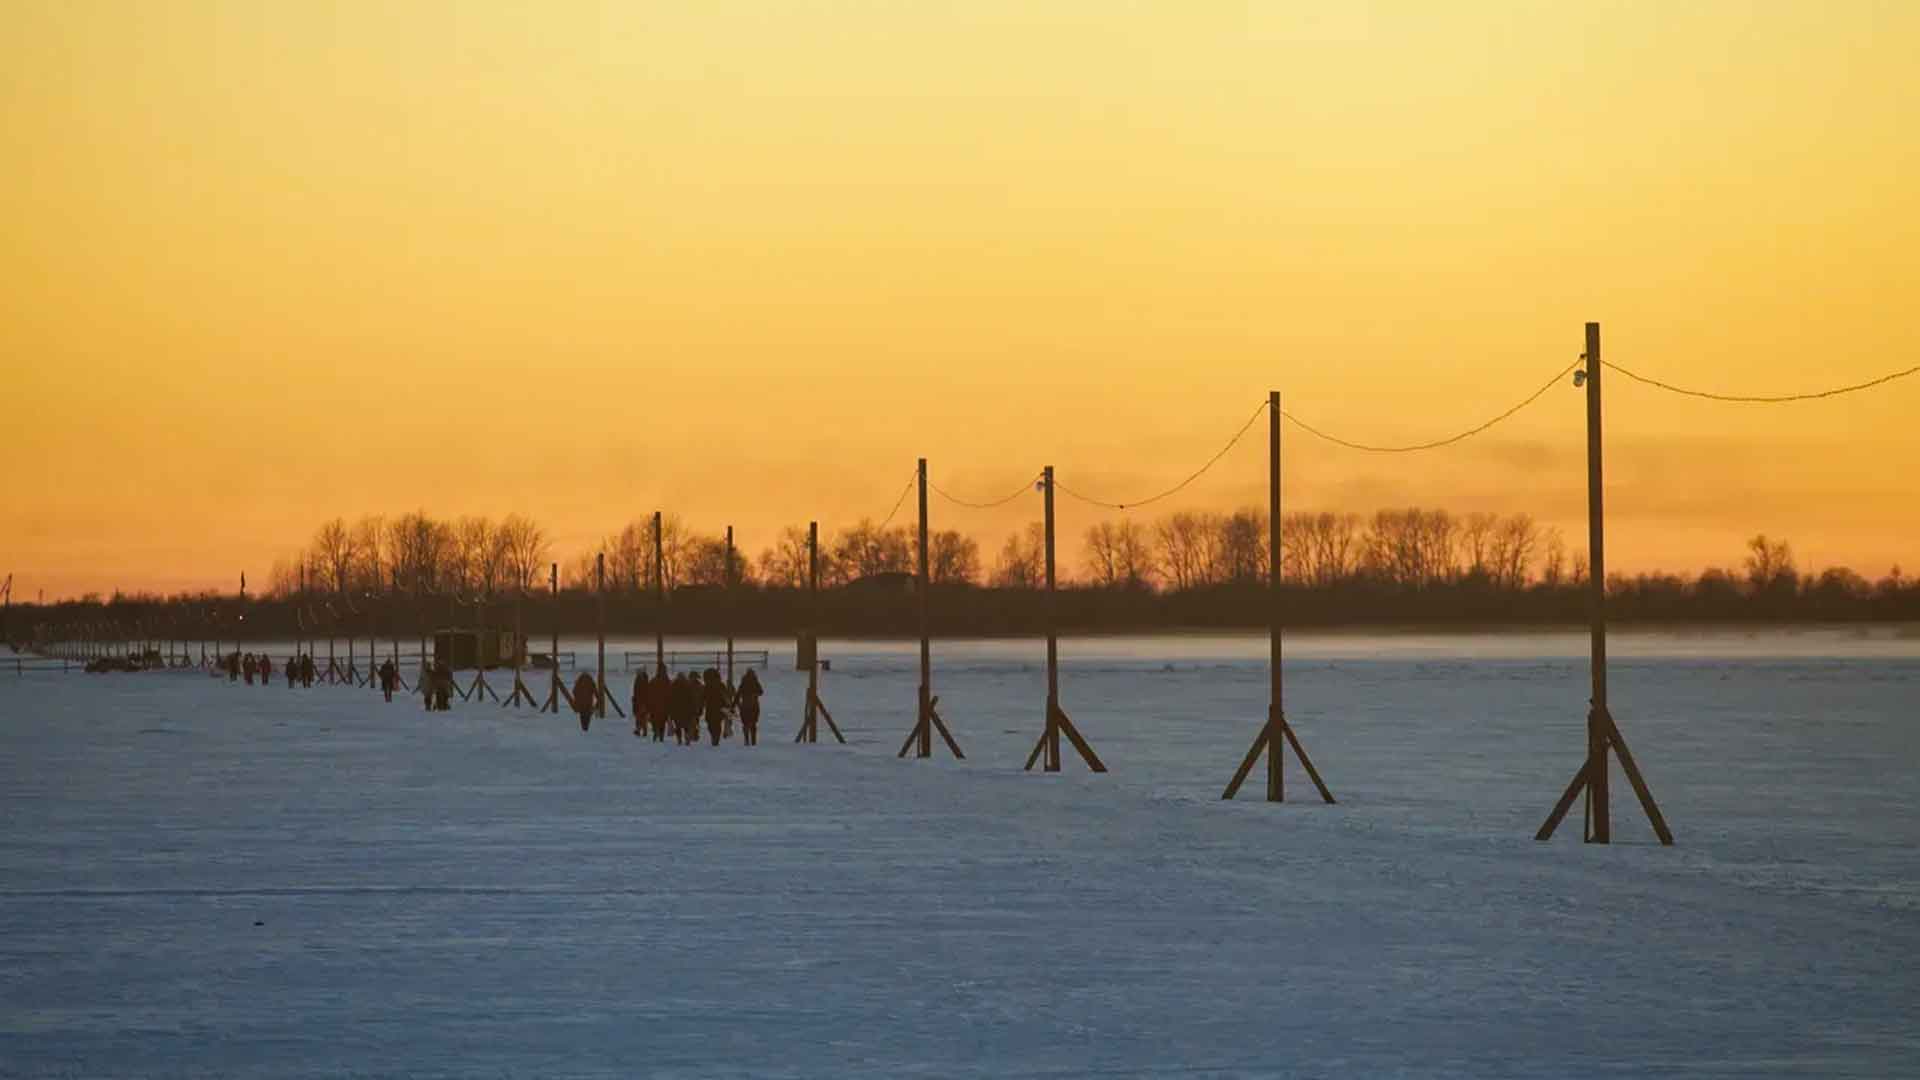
x=1640, y=788
x=1565, y=804
x=613, y=701
x=940, y=726
x=1246, y=764
x=828, y=717
x=1072, y=733
x=1301, y=751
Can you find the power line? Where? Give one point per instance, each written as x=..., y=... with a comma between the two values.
x=1437, y=443
x=971, y=505
x=902, y=500
x=1763, y=399
x=1195, y=475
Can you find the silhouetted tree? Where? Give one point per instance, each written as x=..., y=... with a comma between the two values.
x=1022, y=561
x=952, y=557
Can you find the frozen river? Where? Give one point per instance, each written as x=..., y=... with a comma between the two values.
x=205, y=879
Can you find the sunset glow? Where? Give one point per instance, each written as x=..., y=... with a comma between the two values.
x=268, y=264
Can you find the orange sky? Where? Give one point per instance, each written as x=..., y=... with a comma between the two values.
x=268, y=263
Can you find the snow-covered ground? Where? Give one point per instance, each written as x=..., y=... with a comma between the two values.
x=204, y=879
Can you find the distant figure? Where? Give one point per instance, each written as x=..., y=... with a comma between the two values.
x=716, y=704
x=585, y=696
x=293, y=671
x=684, y=706
x=659, y=693
x=306, y=669
x=640, y=722
x=442, y=686
x=389, y=677
x=748, y=698
x=248, y=667
x=233, y=666
x=266, y=669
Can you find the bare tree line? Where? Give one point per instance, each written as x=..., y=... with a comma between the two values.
x=1177, y=552
x=1411, y=548
x=416, y=553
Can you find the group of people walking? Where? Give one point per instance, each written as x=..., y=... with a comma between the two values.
x=678, y=704
x=661, y=704
x=298, y=668
x=300, y=671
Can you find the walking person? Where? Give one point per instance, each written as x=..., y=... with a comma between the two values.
x=586, y=695
x=748, y=698
x=247, y=668
x=389, y=677
x=641, y=723
x=293, y=671
x=684, y=705
x=442, y=686
x=715, y=699
x=659, y=695
x=266, y=669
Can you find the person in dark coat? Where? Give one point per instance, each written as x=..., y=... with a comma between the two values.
x=442, y=686
x=684, y=707
x=293, y=671
x=659, y=695
x=266, y=669
x=389, y=677
x=586, y=695
x=640, y=721
x=748, y=698
x=306, y=670
x=715, y=699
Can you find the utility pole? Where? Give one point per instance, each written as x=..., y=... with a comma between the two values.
x=553, y=688
x=728, y=605
x=1603, y=735
x=815, y=710
x=659, y=596
x=1277, y=733
x=921, y=737
x=1048, y=748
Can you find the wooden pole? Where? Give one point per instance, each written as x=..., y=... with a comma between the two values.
x=553, y=688
x=1277, y=734
x=925, y=725
x=1603, y=735
x=659, y=596
x=1596, y=599
x=728, y=613
x=810, y=728
x=1052, y=753
x=600, y=629
x=1276, y=754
